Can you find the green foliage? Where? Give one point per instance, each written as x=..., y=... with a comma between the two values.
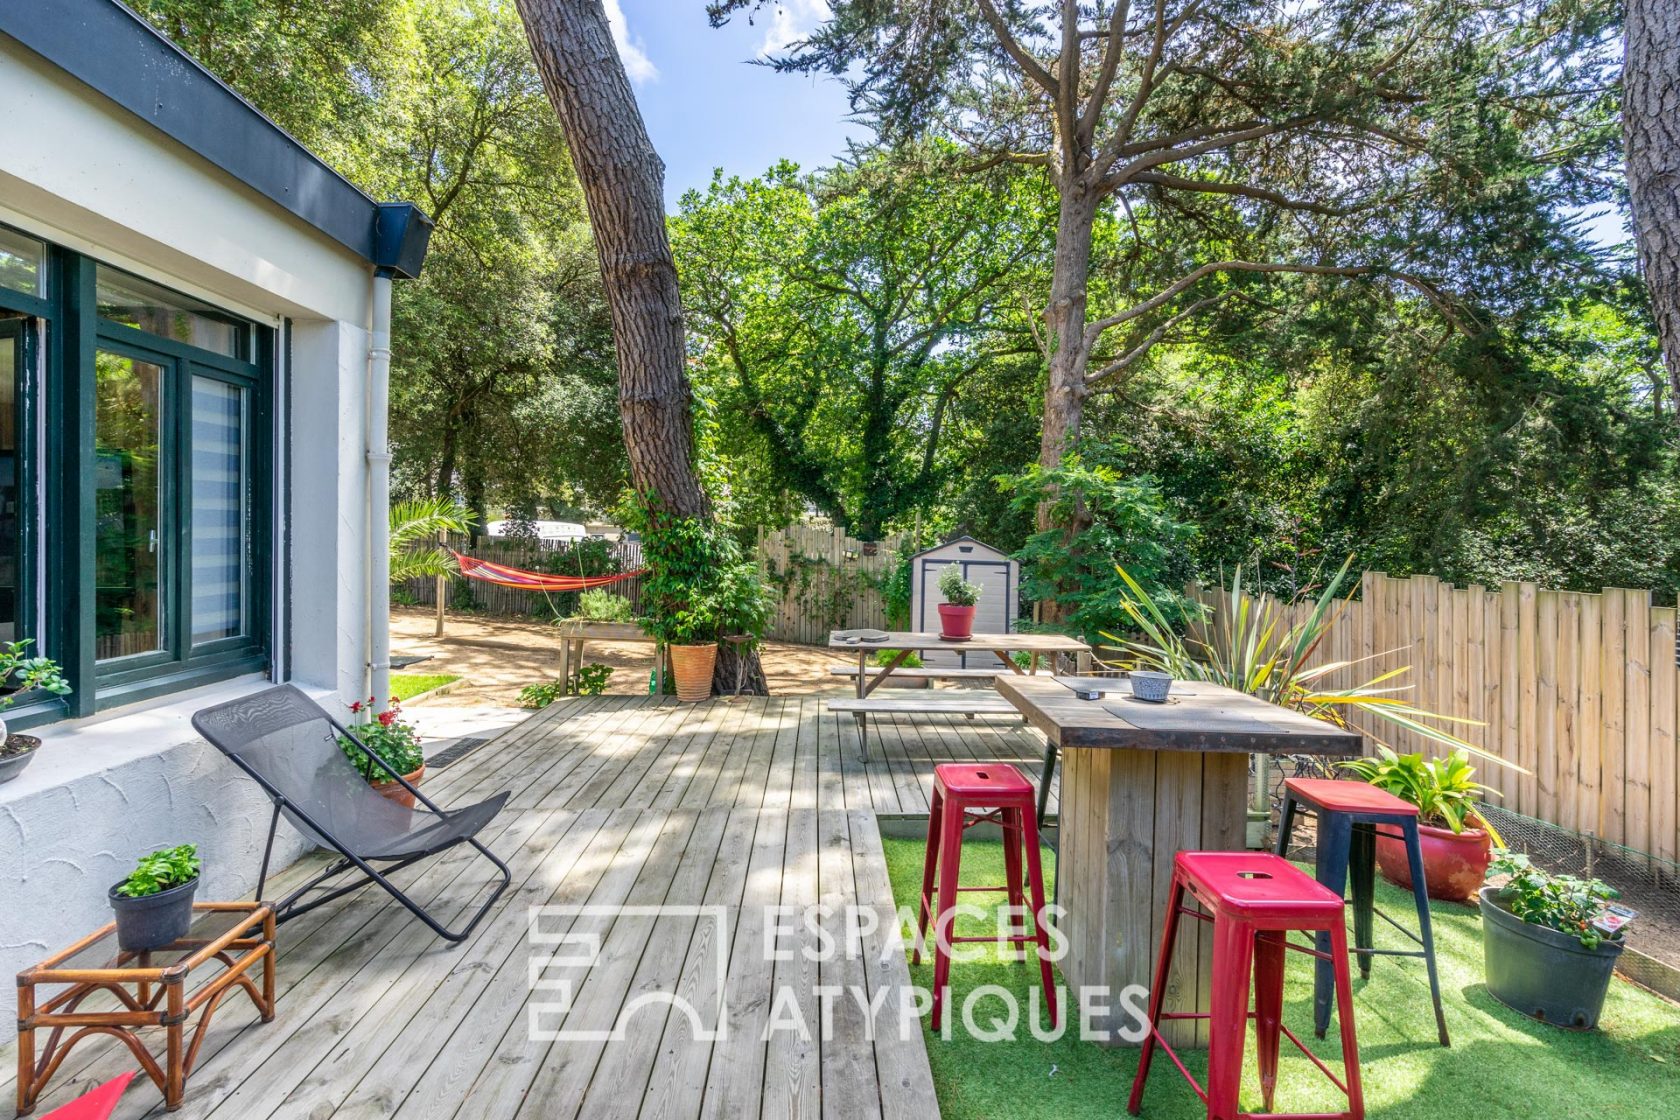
x=958, y=591
x=20, y=675
x=600, y=605
x=698, y=588
x=1561, y=902
x=406, y=686
x=1128, y=526
x=160, y=871
x=415, y=527
x=884, y=657
x=896, y=585
x=541, y=695
x=1253, y=652
x=1443, y=789
x=592, y=678
x=388, y=736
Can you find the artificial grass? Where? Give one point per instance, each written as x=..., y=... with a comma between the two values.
x=406, y=686
x=1501, y=1065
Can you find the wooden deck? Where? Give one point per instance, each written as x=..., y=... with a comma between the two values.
x=725, y=808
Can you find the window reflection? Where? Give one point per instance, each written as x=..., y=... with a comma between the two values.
x=155, y=309
x=128, y=427
x=22, y=263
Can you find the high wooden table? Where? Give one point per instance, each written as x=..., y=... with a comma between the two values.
x=1140, y=782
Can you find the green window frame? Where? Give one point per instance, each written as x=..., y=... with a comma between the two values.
x=58, y=424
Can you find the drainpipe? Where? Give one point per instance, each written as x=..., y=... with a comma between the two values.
x=378, y=644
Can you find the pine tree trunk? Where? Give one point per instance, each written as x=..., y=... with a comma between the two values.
x=623, y=183
x=1651, y=131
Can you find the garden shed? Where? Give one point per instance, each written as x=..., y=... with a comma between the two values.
x=999, y=578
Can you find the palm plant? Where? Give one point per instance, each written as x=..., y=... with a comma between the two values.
x=1256, y=652
x=415, y=529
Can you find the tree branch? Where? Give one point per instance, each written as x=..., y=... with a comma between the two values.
x=1029, y=65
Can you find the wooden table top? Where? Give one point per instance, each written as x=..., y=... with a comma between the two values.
x=1203, y=717
x=1017, y=643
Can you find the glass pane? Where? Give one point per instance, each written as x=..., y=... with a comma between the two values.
x=11, y=464
x=128, y=429
x=218, y=510
x=155, y=309
x=22, y=263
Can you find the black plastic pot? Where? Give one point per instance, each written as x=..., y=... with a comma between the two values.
x=154, y=920
x=1543, y=973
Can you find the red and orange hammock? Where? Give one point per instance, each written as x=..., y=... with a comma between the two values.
x=503, y=576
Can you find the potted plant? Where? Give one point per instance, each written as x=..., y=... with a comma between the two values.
x=1543, y=954
x=1457, y=844
x=698, y=591
x=20, y=675
x=153, y=904
x=956, y=613
x=395, y=741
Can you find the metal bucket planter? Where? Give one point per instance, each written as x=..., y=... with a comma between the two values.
x=692, y=668
x=1543, y=973
x=154, y=920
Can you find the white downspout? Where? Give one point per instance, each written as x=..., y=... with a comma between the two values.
x=378, y=644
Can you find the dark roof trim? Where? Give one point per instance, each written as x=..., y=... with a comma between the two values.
x=108, y=48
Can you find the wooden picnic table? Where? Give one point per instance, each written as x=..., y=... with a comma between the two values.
x=1140, y=782
x=908, y=642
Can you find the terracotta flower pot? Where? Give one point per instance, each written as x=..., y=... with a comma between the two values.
x=692, y=667
x=395, y=791
x=1454, y=864
x=955, y=622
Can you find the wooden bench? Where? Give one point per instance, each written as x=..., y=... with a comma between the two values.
x=925, y=673
x=969, y=703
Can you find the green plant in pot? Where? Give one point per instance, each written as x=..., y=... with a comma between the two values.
x=395, y=741
x=153, y=904
x=956, y=613
x=19, y=676
x=1457, y=843
x=1542, y=952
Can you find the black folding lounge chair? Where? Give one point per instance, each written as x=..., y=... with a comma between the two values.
x=290, y=746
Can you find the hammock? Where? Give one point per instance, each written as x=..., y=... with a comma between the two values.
x=504, y=576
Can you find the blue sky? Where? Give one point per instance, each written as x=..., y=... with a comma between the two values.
x=707, y=106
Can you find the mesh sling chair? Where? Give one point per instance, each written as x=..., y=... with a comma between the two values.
x=290, y=746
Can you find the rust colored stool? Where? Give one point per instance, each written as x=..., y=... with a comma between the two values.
x=1252, y=899
x=964, y=795
x=1349, y=814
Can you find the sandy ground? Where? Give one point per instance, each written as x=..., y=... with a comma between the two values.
x=499, y=656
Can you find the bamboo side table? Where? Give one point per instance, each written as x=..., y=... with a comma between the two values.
x=162, y=988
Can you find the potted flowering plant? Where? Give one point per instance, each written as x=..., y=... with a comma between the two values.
x=20, y=675
x=153, y=904
x=1457, y=843
x=395, y=741
x=956, y=613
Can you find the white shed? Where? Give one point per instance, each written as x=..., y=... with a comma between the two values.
x=999, y=578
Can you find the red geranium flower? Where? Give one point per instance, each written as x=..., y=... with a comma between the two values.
x=386, y=719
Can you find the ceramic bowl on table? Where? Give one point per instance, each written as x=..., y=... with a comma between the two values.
x=1150, y=685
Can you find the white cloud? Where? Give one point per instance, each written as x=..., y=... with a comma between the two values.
x=791, y=21
x=637, y=64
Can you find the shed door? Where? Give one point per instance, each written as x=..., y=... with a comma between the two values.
x=991, y=615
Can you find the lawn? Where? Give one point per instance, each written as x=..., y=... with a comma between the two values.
x=406, y=686
x=1501, y=1065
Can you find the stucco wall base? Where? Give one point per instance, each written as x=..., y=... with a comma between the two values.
x=103, y=792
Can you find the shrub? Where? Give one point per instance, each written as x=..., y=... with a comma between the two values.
x=884, y=657
x=541, y=695
x=1561, y=902
x=958, y=591
x=160, y=871
x=698, y=588
x=592, y=679
x=600, y=605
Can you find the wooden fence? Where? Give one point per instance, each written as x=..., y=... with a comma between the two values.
x=823, y=580
x=1578, y=689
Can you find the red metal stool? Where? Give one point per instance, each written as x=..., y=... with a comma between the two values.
x=964, y=795
x=1253, y=899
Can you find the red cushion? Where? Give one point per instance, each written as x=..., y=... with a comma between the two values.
x=1257, y=886
x=1347, y=797
x=976, y=781
x=96, y=1105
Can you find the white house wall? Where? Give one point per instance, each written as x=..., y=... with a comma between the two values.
x=77, y=171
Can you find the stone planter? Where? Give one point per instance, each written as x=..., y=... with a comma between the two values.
x=1454, y=864
x=20, y=752
x=1543, y=973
